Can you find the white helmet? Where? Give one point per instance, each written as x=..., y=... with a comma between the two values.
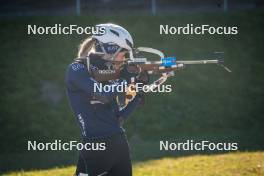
x=115, y=34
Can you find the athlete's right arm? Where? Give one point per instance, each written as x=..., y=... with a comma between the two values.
x=79, y=78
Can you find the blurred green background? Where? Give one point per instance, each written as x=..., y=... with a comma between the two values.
x=206, y=102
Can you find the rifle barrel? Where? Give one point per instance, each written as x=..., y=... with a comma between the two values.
x=198, y=62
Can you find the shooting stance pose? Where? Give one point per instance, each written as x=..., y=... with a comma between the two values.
x=101, y=114
x=109, y=59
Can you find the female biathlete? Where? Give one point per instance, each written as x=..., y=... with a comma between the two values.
x=98, y=113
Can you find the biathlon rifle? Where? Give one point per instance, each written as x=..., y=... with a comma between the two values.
x=165, y=66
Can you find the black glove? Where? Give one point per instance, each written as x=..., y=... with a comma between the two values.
x=128, y=75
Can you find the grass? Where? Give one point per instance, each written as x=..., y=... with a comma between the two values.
x=231, y=164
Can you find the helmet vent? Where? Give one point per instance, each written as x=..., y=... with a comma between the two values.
x=129, y=43
x=114, y=32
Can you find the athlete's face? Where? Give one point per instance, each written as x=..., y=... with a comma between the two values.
x=120, y=57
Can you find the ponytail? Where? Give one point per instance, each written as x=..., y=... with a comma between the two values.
x=86, y=47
